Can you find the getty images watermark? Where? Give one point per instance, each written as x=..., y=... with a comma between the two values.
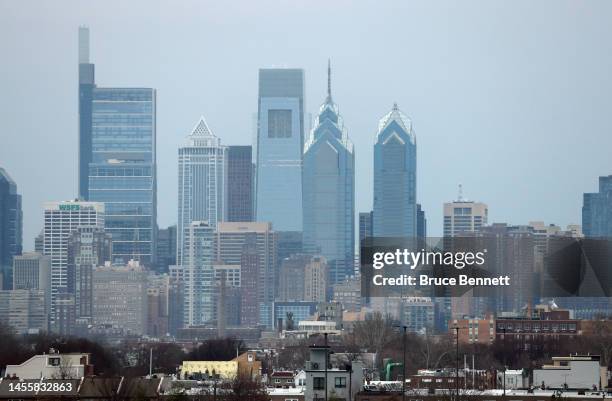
x=406, y=258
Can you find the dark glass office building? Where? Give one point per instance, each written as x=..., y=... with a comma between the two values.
x=240, y=182
x=122, y=171
x=11, y=221
x=395, y=177
x=329, y=192
x=597, y=210
x=117, y=162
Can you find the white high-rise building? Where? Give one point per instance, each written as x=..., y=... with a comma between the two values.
x=198, y=274
x=464, y=216
x=202, y=182
x=61, y=220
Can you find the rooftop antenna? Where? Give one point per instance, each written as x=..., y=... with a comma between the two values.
x=460, y=193
x=329, y=96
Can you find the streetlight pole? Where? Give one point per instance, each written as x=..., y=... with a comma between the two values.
x=404, y=365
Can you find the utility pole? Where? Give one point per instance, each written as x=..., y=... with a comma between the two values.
x=326, y=356
x=150, y=362
x=504, y=373
x=404, y=327
x=473, y=373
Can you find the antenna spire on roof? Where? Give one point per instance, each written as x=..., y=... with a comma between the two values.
x=329, y=96
x=460, y=193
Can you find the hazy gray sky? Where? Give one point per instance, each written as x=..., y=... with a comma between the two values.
x=512, y=99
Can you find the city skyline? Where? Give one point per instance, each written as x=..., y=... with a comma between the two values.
x=498, y=116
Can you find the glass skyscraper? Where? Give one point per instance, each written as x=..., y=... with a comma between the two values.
x=202, y=182
x=11, y=221
x=87, y=85
x=122, y=171
x=240, y=183
x=280, y=138
x=395, y=177
x=597, y=210
x=117, y=133
x=329, y=192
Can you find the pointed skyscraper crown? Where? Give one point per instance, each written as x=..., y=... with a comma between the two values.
x=201, y=128
x=329, y=120
x=201, y=135
x=395, y=115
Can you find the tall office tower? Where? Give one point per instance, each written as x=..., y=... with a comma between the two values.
x=329, y=191
x=157, y=304
x=421, y=222
x=61, y=220
x=24, y=310
x=32, y=271
x=240, y=183
x=228, y=282
x=87, y=84
x=122, y=172
x=596, y=224
x=198, y=274
x=64, y=314
x=315, y=280
x=166, y=248
x=291, y=278
x=365, y=225
x=11, y=221
x=597, y=210
x=120, y=297
x=88, y=248
x=117, y=135
x=176, y=299
x=202, y=182
x=250, y=268
x=395, y=177
x=280, y=139
x=288, y=243
x=464, y=216
x=230, y=249
x=511, y=251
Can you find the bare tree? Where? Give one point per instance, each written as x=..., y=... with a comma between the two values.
x=374, y=333
x=65, y=370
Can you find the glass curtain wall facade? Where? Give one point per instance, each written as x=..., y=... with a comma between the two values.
x=280, y=138
x=395, y=177
x=597, y=210
x=240, y=183
x=122, y=172
x=329, y=193
x=11, y=222
x=87, y=84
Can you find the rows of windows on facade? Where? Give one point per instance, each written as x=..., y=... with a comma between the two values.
x=265, y=234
